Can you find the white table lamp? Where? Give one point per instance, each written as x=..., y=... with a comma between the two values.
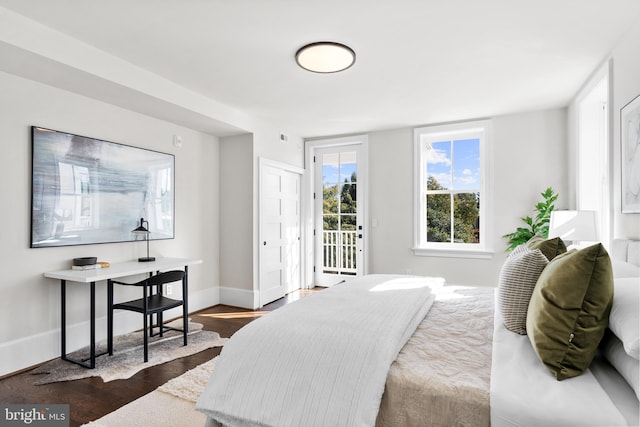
x=573, y=226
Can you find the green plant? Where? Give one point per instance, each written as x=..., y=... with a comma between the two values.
x=537, y=225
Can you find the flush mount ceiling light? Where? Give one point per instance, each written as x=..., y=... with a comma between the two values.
x=325, y=57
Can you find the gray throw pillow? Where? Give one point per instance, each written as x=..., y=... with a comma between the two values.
x=518, y=277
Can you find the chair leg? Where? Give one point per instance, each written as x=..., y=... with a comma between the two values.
x=151, y=325
x=146, y=339
x=185, y=310
x=160, y=322
x=185, y=326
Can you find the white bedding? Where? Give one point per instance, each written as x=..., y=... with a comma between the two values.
x=525, y=394
x=324, y=360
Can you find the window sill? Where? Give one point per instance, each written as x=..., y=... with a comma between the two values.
x=454, y=253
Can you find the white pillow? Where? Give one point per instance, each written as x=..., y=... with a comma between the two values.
x=518, y=277
x=624, y=269
x=624, y=319
x=627, y=366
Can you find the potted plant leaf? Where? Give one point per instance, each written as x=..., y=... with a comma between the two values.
x=539, y=224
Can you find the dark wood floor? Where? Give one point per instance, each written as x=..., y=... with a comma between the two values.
x=91, y=398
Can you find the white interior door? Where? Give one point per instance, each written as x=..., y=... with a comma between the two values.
x=280, y=252
x=339, y=225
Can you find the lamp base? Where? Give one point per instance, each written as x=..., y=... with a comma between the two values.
x=147, y=259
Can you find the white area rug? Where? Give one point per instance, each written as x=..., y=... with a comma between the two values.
x=170, y=405
x=127, y=357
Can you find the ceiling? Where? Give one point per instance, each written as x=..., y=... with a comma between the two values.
x=418, y=62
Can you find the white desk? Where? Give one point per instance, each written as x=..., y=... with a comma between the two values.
x=116, y=270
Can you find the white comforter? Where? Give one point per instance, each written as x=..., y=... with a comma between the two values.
x=322, y=361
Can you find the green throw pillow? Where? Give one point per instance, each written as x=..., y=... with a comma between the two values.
x=569, y=310
x=551, y=248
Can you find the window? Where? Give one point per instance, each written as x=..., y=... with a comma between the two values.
x=592, y=149
x=450, y=190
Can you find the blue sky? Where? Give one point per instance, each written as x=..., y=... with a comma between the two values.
x=337, y=167
x=465, y=156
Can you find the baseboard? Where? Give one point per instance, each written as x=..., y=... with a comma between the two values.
x=239, y=298
x=203, y=299
x=33, y=350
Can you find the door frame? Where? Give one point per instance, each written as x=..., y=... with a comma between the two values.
x=264, y=162
x=308, y=202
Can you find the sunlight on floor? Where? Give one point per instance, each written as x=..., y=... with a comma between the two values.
x=236, y=315
x=300, y=293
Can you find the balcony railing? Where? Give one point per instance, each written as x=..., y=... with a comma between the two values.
x=340, y=251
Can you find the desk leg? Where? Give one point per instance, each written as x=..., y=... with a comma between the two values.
x=185, y=304
x=110, y=317
x=92, y=346
x=63, y=318
x=92, y=362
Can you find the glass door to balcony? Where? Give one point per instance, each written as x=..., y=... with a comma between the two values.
x=338, y=215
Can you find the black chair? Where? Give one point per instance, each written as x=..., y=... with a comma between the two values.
x=151, y=303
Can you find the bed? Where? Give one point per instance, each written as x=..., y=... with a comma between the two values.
x=404, y=351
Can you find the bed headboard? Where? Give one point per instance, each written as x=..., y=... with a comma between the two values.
x=627, y=251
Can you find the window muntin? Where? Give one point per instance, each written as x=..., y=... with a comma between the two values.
x=451, y=187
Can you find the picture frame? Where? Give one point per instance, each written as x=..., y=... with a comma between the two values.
x=630, y=155
x=90, y=191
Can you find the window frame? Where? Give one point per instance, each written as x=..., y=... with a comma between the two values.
x=455, y=131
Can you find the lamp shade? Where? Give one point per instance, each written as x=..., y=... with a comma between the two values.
x=141, y=229
x=573, y=225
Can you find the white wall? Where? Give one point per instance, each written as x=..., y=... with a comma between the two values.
x=30, y=304
x=236, y=217
x=239, y=213
x=626, y=86
x=528, y=154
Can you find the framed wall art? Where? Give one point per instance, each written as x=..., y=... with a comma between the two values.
x=630, y=153
x=87, y=191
